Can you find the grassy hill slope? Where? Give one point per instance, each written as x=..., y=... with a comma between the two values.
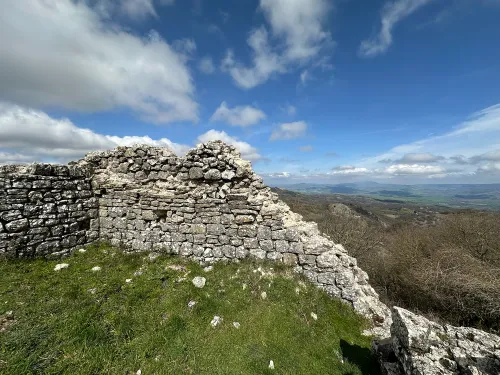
x=132, y=316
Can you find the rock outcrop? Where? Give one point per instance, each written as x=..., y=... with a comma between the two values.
x=419, y=346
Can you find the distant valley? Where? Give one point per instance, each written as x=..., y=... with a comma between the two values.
x=457, y=196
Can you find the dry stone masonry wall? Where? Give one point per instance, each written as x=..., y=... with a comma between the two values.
x=208, y=206
x=45, y=210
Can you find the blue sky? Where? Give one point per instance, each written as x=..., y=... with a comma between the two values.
x=330, y=91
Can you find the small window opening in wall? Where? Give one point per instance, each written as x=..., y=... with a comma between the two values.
x=137, y=197
x=101, y=192
x=84, y=224
x=161, y=214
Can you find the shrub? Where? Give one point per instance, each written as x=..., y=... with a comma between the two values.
x=449, y=271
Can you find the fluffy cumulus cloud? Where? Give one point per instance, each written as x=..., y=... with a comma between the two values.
x=28, y=135
x=238, y=116
x=298, y=37
x=247, y=151
x=69, y=55
x=289, y=131
x=392, y=13
x=299, y=23
x=265, y=62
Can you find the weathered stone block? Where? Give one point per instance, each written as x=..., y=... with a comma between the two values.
x=278, y=235
x=258, y=253
x=264, y=233
x=17, y=225
x=281, y=246
x=267, y=245
x=212, y=174
x=251, y=243
x=244, y=219
x=215, y=229
x=247, y=231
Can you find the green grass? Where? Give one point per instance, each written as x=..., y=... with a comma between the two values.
x=76, y=321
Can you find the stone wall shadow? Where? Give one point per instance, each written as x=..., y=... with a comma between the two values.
x=361, y=357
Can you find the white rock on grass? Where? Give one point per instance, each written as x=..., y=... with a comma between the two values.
x=271, y=365
x=96, y=269
x=314, y=316
x=191, y=304
x=82, y=251
x=236, y=325
x=216, y=321
x=208, y=268
x=199, y=281
x=128, y=281
x=263, y=295
x=152, y=256
x=61, y=266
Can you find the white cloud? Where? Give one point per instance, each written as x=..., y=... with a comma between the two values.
x=304, y=77
x=299, y=23
x=238, y=116
x=289, y=131
x=485, y=120
x=138, y=9
x=298, y=29
x=307, y=148
x=490, y=168
x=67, y=55
x=14, y=158
x=33, y=135
x=277, y=175
x=349, y=170
x=413, y=169
x=488, y=156
x=185, y=47
x=265, y=62
x=416, y=158
x=290, y=110
x=206, y=65
x=247, y=151
x=478, y=135
x=392, y=13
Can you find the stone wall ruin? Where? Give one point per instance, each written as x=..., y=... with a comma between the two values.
x=45, y=210
x=207, y=206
